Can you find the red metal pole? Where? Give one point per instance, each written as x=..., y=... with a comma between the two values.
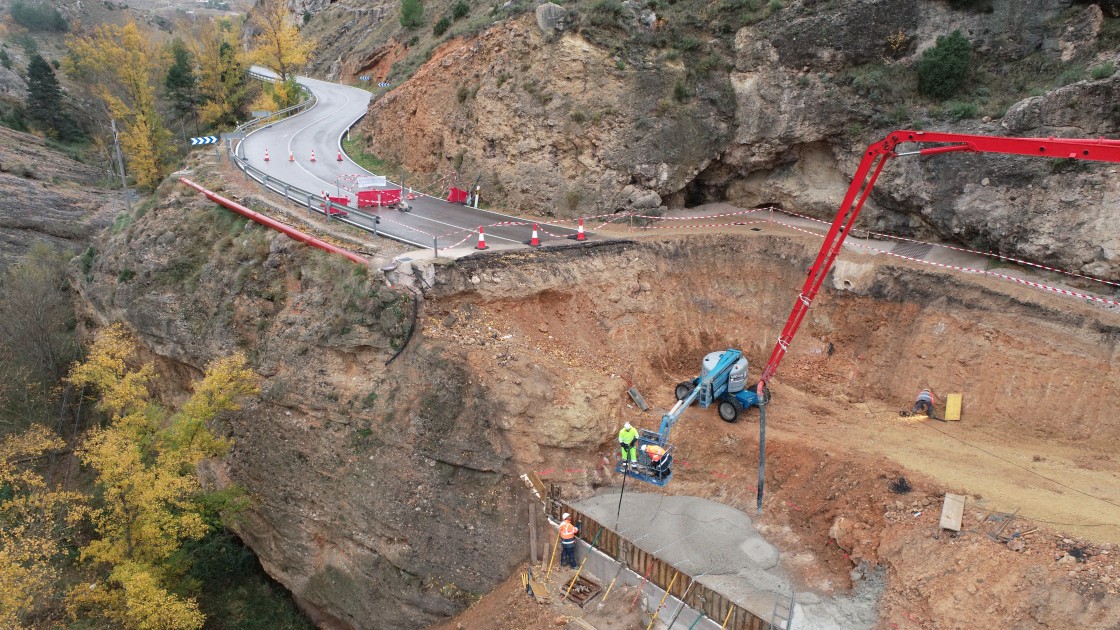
x=287, y=230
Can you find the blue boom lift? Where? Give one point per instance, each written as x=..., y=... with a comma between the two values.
x=722, y=380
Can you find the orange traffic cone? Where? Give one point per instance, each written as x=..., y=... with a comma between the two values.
x=291, y=156
x=535, y=241
x=410, y=195
x=580, y=236
x=340, y=155
x=312, y=155
x=266, y=155
x=481, y=239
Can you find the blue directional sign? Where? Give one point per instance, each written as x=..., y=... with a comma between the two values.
x=363, y=78
x=203, y=140
x=383, y=84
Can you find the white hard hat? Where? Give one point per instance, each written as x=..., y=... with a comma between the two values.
x=627, y=426
x=567, y=516
x=644, y=447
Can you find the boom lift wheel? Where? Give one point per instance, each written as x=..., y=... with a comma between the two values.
x=728, y=411
x=683, y=389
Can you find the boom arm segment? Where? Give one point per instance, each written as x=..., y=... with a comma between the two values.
x=876, y=156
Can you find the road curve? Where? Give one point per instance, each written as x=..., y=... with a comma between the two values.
x=290, y=142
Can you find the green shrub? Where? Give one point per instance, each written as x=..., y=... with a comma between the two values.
x=412, y=14
x=464, y=92
x=578, y=117
x=5, y=60
x=606, y=13
x=1103, y=71
x=441, y=27
x=959, y=111
x=460, y=10
x=1071, y=76
x=125, y=275
x=38, y=17
x=942, y=70
x=681, y=92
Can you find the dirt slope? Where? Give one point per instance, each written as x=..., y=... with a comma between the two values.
x=652, y=309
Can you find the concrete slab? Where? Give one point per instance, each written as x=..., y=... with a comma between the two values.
x=720, y=546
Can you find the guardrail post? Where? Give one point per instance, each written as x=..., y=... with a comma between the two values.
x=435, y=246
x=287, y=190
x=310, y=208
x=266, y=178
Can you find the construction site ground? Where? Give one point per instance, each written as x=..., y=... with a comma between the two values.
x=836, y=444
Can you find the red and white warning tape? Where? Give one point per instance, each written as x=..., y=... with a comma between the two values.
x=1018, y=261
x=1002, y=276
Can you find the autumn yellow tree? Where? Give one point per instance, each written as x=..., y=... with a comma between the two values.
x=37, y=525
x=277, y=43
x=124, y=68
x=222, y=85
x=145, y=471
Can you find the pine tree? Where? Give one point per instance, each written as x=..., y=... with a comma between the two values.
x=45, y=102
x=180, y=80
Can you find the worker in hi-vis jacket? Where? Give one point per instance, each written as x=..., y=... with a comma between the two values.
x=627, y=438
x=568, y=541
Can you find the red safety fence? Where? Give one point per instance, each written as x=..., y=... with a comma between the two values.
x=376, y=198
x=333, y=210
x=457, y=195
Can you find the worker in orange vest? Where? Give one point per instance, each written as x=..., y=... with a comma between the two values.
x=658, y=461
x=568, y=541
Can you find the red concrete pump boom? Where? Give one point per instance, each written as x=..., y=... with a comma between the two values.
x=876, y=156
x=874, y=159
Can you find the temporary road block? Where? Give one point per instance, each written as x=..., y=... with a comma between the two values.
x=457, y=195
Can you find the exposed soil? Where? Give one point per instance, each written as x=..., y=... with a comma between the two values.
x=1038, y=433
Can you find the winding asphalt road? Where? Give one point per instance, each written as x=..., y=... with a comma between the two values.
x=320, y=129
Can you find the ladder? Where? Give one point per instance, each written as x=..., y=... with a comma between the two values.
x=782, y=616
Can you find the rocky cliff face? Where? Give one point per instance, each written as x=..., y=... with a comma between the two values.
x=559, y=122
x=48, y=198
x=383, y=496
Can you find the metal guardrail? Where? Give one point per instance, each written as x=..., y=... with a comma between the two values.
x=713, y=605
x=314, y=202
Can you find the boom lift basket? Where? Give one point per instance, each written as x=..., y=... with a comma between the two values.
x=660, y=473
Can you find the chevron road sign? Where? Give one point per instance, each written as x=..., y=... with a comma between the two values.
x=203, y=140
x=363, y=78
x=384, y=84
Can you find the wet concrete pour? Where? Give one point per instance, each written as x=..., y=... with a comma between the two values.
x=720, y=546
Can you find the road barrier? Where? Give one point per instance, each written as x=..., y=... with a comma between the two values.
x=700, y=598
